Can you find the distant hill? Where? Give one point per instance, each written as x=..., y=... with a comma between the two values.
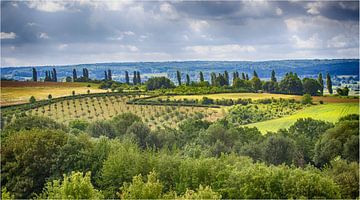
x=304, y=68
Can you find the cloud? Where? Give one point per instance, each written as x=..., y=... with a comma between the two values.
x=198, y=25
x=43, y=36
x=10, y=35
x=47, y=6
x=220, y=49
x=312, y=43
x=62, y=46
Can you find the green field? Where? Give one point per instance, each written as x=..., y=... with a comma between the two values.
x=327, y=112
x=256, y=96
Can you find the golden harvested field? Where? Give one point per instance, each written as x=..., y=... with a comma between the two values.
x=20, y=92
x=256, y=96
x=100, y=108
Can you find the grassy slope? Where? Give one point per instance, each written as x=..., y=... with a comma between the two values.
x=14, y=94
x=327, y=112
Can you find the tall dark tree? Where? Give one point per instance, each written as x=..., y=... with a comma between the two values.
x=273, y=78
x=247, y=77
x=187, y=79
x=34, y=74
x=109, y=74
x=329, y=83
x=47, y=76
x=321, y=82
x=138, y=78
x=178, y=76
x=106, y=75
x=127, y=79
x=255, y=74
x=85, y=73
x=291, y=84
x=74, y=75
x=243, y=76
x=226, y=76
x=134, y=78
x=213, y=77
x=54, y=75
x=201, y=77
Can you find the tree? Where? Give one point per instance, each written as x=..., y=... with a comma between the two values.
x=74, y=75
x=32, y=99
x=256, y=83
x=342, y=91
x=178, y=76
x=187, y=79
x=270, y=86
x=342, y=140
x=311, y=86
x=123, y=121
x=321, y=82
x=138, y=79
x=127, y=79
x=255, y=74
x=226, y=76
x=220, y=80
x=106, y=76
x=243, y=76
x=49, y=96
x=158, y=83
x=278, y=150
x=213, y=77
x=140, y=131
x=247, y=77
x=306, y=99
x=291, y=84
x=54, y=78
x=201, y=193
x=101, y=128
x=134, y=78
x=273, y=78
x=109, y=75
x=329, y=83
x=68, y=79
x=75, y=186
x=138, y=189
x=33, y=155
x=201, y=76
x=73, y=92
x=34, y=74
x=240, y=83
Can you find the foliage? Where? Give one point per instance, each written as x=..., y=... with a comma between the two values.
x=342, y=91
x=5, y=194
x=75, y=186
x=32, y=99
x=346, y=175
x=291, y=84
x=279, y=149
x=138, y=189
x=101, y=128
x=306, y=99
x=201, y=193
x=311, y=86
x=123, y=121
x=28, y=158
x=79, y=124
x=158, y=83
x=342, y=140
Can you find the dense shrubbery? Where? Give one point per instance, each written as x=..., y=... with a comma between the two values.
x=197, y=160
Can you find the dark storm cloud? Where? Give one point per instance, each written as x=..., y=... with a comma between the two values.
x=60, y=32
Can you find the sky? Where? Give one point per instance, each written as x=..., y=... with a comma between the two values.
x=73, y=32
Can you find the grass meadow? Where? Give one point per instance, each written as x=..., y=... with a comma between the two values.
x=328, y=112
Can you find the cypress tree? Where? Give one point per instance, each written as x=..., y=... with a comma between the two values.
x=54, y=75
x=226, y=76
x=74, y=75
x=243, y=76
x=321, y=82
x=138, y=79
x=213, y=77
x=134, y=78
x=329, y=83
x=106, y=76
x=34, y=74
x=255, y=74
x=201, y=76
x=109, y=74
x=127, y=79
x=187, y=79
x=178, y=76
x=273, y=78
x=247, y=77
